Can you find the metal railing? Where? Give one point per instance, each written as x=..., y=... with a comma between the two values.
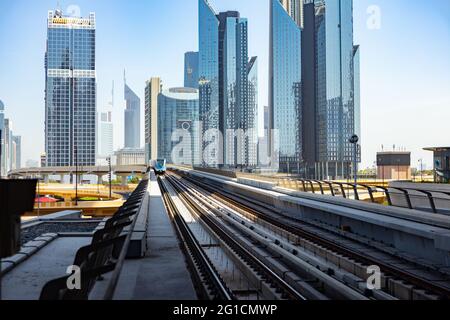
x=105, y=254
x=343, y=190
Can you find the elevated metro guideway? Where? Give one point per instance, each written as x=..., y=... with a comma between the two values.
x=94, y=170
x=414, y=232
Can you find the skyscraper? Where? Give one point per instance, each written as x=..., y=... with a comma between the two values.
x=106, y=137
x=228, y=87
x=336, y=82
x=16, y=152
x=70, y=94
x=153, y=88
x=191, y=70
x=178, y=115
x=132, y=118
x=209, y=83
x=285, y=81
x=2, y=140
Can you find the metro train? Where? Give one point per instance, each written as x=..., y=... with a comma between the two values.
x=160, y=166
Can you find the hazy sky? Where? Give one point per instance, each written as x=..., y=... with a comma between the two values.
x=405, y=64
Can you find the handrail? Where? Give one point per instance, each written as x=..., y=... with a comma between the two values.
x=110, y=290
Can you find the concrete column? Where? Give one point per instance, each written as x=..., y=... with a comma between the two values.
x=99, y=179
x=46, y=178
x=61, y=178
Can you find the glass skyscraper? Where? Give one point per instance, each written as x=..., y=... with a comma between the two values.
x=336, y=119
x=209, y=82
x=132, y=118
x=285, y=81
x=178, y=113
x=70, y=94
x=191, y=70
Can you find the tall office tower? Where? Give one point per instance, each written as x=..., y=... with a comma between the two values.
x=233, y=84
x=153, y=88
x=209, y=84
x=250, y=116
x=132, y=118
x=178, y=116
x=2, y=141
x=70, y=94
x=191, y=70
x=106, y=137
x=226, y=101
x=335, y=80
x=16, y=153
x=285, y=82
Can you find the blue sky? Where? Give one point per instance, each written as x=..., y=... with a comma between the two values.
x=405, y=65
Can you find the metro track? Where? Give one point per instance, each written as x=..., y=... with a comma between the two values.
x=273, y=282
x=258, y=212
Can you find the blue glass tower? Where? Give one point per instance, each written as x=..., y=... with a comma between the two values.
x=226, y=101
x=70, y=94
x=191, y=70
x=285, y=81
x=178, y=114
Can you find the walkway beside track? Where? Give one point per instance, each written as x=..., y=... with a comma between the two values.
x=162, y=274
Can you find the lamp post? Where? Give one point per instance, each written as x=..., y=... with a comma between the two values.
x=76, y=175
x=421, y=170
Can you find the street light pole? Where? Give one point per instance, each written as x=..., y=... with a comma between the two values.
x=354, y=140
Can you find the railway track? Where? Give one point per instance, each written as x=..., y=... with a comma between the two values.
x=209, y=284
x=258, y=212
x=273, y=282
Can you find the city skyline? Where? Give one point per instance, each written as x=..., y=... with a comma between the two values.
x=398, y=129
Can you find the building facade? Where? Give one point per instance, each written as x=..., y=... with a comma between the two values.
x=285, y=82
x=130, y=157
x=132, y=118
x=178, y=126
x=70, y=93
x=335, y=93
x=209, y=84
x=331, y=90
x=191, y=70
x=153, y=88
x=228, y=89
x=441, y=163
x=394, y=165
